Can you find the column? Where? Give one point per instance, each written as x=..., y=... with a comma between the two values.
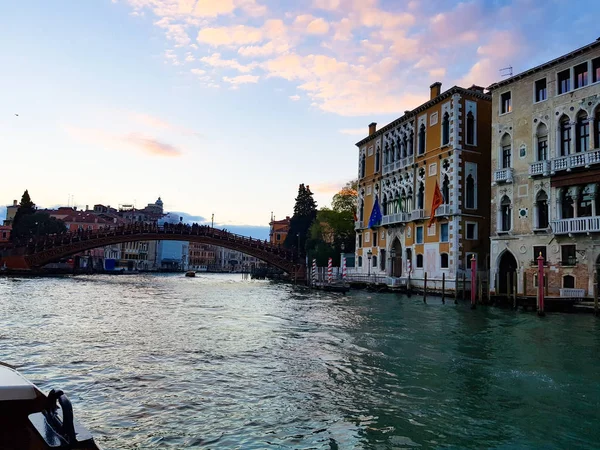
x=594, y=212
x=573, y=143
x=576, y=202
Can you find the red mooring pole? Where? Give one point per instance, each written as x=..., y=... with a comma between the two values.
x=473, y=280
x=541, y=281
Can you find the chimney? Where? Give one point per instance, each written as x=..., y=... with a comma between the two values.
x=15, y=203
x=87, y=207
x=434, y=90
x=372, y=128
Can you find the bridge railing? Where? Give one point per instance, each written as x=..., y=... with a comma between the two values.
x=41, y=243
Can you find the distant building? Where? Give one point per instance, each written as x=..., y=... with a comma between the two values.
x=5, y=233
x=201, y=256
x=11, y=210
x=546, y=175
x=278, y=230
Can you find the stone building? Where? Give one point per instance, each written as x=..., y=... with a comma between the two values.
x=546, y=175
x=445, y=141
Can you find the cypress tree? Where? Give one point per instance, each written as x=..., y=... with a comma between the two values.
x=26, y=207
x=305, y=212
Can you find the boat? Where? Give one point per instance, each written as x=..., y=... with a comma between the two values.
x=190, y=273
x=31, y=420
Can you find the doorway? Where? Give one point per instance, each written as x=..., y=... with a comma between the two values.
x=506, y=273
x=397, y=260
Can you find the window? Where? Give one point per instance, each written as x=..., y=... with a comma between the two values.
x=470, y=194
x=278, y=237
x=362, y=166
x=432, y=169
x=410, y=143
x=374, y=261
x=377, y=161
x=564, y=81
x=542, y=142
x=505, y=211
x=444, y=232
x=586, y=199
x=370, y=151
x=446, y=129
x=444, y=260
x=568, y=256
x=567, y=209
x=597, y=127
x=505, y=103
x=383, y=258
x=422, y=139
x=569, y=282
x=537, y=249
x=581, y=75
x=374, y=237
x=541, y=206
x=446, y=190
x=470, y=129
x=367, y=237
x=595, y=70
x=431, y=230
x=541, y=91
x=369, y=189
x=471, y=230
x=419, y=261
x=361, y=211
x=359, y=240
x=582, y=130
x=565, y=136
x=433, y=119
x=421, y=196
x=360, y=261
x=506, y=151
x=419, y=235
x=384, y=205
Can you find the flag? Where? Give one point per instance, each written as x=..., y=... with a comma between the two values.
x=375, y=218
x=437, y=201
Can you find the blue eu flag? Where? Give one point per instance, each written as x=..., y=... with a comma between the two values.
x=375, y=218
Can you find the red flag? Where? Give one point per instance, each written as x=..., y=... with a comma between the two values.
x=437, y=201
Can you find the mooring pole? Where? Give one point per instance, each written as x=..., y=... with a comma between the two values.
x=456, y=289
x=540, y=291
x=444, y=288
x=464, y=287
x=425, y=288
x=473, y=280
x=596, y=289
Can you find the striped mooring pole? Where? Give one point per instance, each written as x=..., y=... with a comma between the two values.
x=314, y=271
x=329, y=270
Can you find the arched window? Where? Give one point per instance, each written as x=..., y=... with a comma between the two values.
x=541, y=204
x=585, y=207
x=377, y=161
x=362, y=211
x=444, y=260
x=386, y=154
x=421, y=196
x=583, y=133
x=360, y=261
x=470, y=128
x=422, y=139
x=505, y=210
x=375, y=261
x=419, y=261
x=597, y=127
x=569, y=282
x=401, y=148
x=506, y=147
x=542, y=142
x=567, y=208
x=406, y=147
x=362, y=167
x=446, y=129
x=446, y=190
x=410, y=143
x=565, y=136
x=384, y=205
x=409, y=202
x=470, y=194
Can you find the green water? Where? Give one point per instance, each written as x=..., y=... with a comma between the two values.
x=216, y=362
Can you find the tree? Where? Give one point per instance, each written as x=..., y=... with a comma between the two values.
x=37, y=224
x=345, y=199
x=328, y=233
x=305, y=212
x=27, y=207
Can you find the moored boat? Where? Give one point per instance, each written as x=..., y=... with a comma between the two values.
x=190, y=273
x=31, y=420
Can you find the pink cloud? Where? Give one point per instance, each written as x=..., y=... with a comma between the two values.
x=151, y=146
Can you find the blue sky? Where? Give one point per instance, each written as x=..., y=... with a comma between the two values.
x=226, y=106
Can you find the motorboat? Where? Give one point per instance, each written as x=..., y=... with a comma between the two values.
x=190, y=273
x=31, y=420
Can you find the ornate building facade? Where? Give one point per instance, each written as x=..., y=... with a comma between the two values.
x=445, y=141
x=546, y=175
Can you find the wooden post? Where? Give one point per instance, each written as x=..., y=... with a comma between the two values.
x=596, y=289
x=464, y=287
x=515, y=283
x=425, y=288
x=545, y=285
x=456, y=289
x=480, y=290
x=473, y=280
x=540, y=291
x=444, y=287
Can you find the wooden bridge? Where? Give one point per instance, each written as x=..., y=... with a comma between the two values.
x=38, y=251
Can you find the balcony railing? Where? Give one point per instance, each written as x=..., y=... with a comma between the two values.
x=395, y=218
x=503, y=175
x=577, y=225
x=408, y=161
x=572, y=293
x=398, y=164
x=417, y=214
x=539, y=168
x=443, y=210
x=583, y=159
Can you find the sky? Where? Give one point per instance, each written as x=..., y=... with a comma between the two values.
x=225, y=106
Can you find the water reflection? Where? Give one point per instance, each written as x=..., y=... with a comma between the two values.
x=164, y=361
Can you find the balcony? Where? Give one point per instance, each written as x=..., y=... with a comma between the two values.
x=503, y=175
x=569, y=162
x=395, y=218
x=577, y=225
x=388, y=168
x=398, y=164
x=417, y=214
x=443, y=210
x=408, y=161
x=539, y=168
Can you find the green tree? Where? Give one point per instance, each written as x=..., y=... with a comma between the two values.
x=345, y=199
x=37, y=224
x=305, y=212
x=26, y=207
x=329, y=232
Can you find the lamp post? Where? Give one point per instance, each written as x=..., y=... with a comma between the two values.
x=393, y=257
x=369, y=256
x=343, y=247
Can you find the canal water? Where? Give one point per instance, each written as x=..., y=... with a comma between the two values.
x=164, y=361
